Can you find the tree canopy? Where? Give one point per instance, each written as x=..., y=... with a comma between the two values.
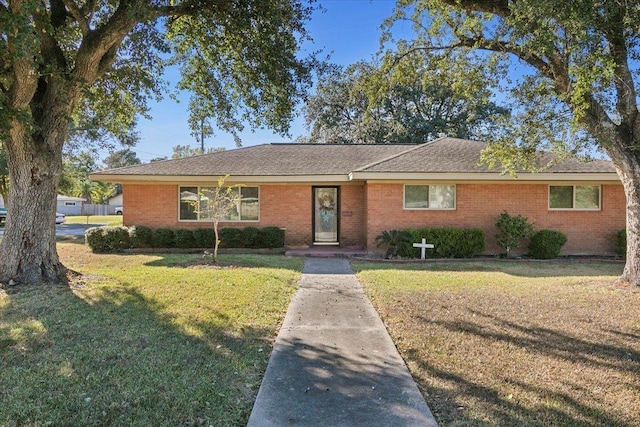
x=365, y=103
x=570, y=67
x=88, y=68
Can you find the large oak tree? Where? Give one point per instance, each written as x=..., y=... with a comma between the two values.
x=413, y=102
x=579, y=84
x=82, y=64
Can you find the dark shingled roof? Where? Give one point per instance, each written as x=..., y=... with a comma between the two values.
x=453, y=155
x=444, y=155
x=271, y=160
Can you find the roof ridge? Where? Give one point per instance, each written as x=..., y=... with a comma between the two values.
x=393, y=156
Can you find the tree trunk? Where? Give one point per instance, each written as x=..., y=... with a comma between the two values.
x=631, y=183
x=627, y=164
x=28, y=249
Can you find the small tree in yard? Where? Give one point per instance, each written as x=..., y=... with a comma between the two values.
x=511, y=230
x=216, y=203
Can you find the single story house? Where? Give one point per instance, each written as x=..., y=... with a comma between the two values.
x=326, y=194
x=69, y=205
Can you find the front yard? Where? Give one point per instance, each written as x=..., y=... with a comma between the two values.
x=142, y=340
x=515, y=344
x=168, y=340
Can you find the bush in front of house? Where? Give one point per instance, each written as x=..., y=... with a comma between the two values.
x=141, y=236
x=448, y=242
x=204, y=237
x=183, y=238
x=511, y=230
x=115, y=239
x=163, y=238
x=108, y=239
x=546, y=244
x=272, y=237
x=231, y=238
x=621, y=243
x=252, y=238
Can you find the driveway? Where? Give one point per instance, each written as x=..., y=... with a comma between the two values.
x=67, y=229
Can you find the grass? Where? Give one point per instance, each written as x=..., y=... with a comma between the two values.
x=515, y=344
x=163, y=340
x=94, y=219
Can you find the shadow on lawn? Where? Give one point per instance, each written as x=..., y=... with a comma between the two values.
x=518, y=268
x=226, y=261
x=116, y=357
x=553, y=407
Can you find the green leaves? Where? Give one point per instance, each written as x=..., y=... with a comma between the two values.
x=405, y=101
x=243, y=69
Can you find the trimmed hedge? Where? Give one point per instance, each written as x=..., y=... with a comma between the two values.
x=204, y=237
x=230, y=238
x=108, y=239
x=621, y=243
x=546, y=244
x=141, y=236
x=183, y=238
x=114, y=239
x=448, y=242
x=163, y=238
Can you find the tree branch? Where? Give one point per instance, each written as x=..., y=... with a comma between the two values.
x=78, y=15
x=495, y=7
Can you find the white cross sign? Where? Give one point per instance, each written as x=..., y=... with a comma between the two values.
x=423, y=246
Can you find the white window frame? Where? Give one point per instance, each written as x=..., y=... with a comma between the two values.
x=199, y=189
x=599, y=208
x=404, y=197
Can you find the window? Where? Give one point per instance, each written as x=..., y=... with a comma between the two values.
x=247, y=209
x=579, y=197
x=429, y=196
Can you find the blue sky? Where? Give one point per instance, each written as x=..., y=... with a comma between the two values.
x=348, y=30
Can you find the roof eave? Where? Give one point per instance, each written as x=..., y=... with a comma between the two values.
x=487, y=176
x=115, y=178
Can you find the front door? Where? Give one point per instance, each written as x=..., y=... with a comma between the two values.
x=326, y=215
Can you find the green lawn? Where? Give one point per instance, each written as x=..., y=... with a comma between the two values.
x=515, y=344
x=162, y=340
x=94, y=219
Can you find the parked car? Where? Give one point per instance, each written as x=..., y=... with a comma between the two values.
x=119, y=210
x=60, y=217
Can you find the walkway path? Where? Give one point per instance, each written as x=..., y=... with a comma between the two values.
x=333, y=363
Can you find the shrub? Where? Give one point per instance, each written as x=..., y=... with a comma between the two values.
x=272, y=237
x=511, y=230
x=621, y=243
x=204, y=237
x=251, y=237
x=448, y=242
x=184, y=239
x=392, y=239
x=140, y=236
x=546, y=244
x=163, y=238
x=107, y=239
x=231, y=238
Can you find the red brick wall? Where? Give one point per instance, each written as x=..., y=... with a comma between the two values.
x=588, y=232
x=368, y=210
x=353, y=229
x=285, y=206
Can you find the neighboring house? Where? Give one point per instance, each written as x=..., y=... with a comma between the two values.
x=115, y=200
x=70, y=205
x=326, y=194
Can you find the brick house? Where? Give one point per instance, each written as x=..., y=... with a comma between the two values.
x=347, y=194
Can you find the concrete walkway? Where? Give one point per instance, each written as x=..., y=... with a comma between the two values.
x=333, y=363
